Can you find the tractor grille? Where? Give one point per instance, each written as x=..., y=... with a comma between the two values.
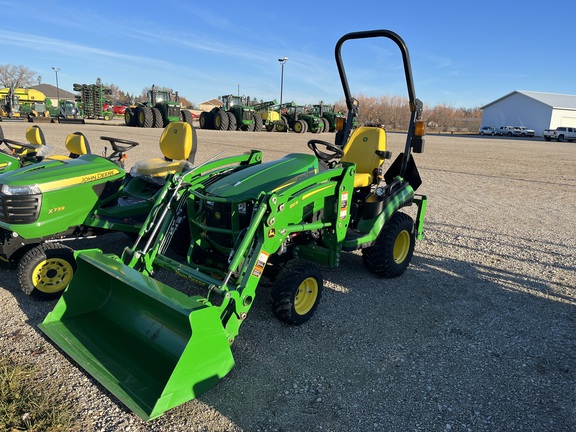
x=246, y=115
x=221, y=216
x=20, y=209
x=173, y=111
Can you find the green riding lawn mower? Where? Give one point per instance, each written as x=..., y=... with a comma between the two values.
x=155, y=347
x=80, y=196
x=16, y=154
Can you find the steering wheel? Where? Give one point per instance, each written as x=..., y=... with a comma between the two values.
x=326, y=157
x=120, y=148
x=10, y=143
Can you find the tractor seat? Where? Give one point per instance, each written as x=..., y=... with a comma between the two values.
x=178, y=145
x=77, y=144
x=361, y=150
x=34, y=136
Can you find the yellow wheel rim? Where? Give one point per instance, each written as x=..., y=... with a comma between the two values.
x=52, y=275
x=297, y=127
x=401, y=246
x=306, y=296
x=218, y=122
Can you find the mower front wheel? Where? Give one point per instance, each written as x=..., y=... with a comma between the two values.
x=394, y=247
x=296, y=292
x=46, y=270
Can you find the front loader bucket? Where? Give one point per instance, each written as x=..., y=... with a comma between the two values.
x=151, y=346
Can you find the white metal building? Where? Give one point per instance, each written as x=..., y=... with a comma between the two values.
x=535, y=110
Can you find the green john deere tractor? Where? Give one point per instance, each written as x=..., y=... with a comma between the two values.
x=300, y=120
x=329, y=114
x=155, y=347
x=63, y=198
x=161, y=108
x=233, y=115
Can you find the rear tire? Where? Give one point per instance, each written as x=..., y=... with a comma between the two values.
x=46, y=270
x=206, y=120
x=130, y=117
x=296, y=292
x=394, y=247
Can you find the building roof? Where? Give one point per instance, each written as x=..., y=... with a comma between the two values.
x=553, y=100
x=214, y=102
x=52, y=92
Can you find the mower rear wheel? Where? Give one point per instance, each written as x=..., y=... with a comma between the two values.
x=394, y=247
x=269, y=127
x=46, y=270
x=296, y=292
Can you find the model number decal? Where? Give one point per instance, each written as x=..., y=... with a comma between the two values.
x=56, y=209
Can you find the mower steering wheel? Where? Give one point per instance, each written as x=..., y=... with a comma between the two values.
x=337, y=152
x=10, y=143
x=120, y=148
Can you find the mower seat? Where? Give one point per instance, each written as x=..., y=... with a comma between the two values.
x=361, y=149
x=34, y=136
x=76, y=144
x=178, y=145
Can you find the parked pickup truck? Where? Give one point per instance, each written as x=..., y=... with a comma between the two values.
x=560, y=134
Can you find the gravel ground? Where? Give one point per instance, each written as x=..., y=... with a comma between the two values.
x=478, y=334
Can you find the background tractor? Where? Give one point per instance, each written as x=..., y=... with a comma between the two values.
x=155, y=347
x=161, y=108
x=233, y=115
x=329, y=114
x=298, y=119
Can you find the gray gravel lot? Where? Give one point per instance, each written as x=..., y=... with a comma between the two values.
x=478, y=334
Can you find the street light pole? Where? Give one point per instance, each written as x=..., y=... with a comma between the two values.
x=282, y=61
x=57, y=87
x=238, y=90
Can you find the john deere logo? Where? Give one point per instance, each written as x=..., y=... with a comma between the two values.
x=271, y=233
x=217, y=215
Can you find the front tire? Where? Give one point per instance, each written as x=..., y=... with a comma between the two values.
x=296, y=292
x=145, y=117
x=158, y=121
x=46, y=270
x=221, y=120
x=394, y=247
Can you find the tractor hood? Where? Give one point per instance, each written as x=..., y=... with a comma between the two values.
x=271, y=176
x=58, y=174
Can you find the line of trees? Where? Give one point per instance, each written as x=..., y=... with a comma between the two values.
x=393, y=112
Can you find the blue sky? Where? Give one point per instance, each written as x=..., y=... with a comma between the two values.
x=464, y=54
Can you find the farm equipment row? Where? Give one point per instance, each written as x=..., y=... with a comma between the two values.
x=236, y=220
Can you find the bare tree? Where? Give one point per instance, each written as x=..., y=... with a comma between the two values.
x=19, y=76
